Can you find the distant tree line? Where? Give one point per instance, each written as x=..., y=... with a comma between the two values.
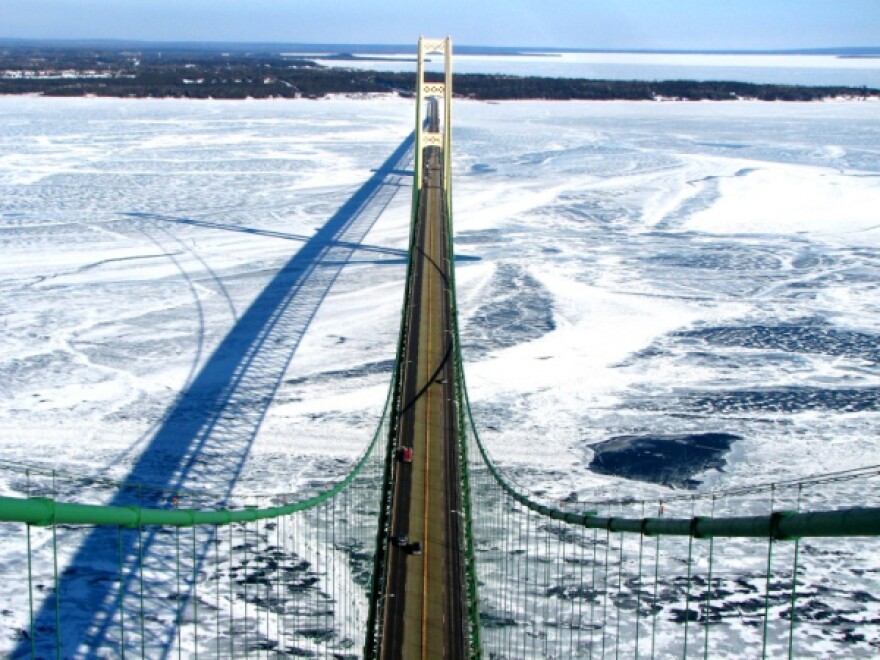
x=187, y=74
x=513, y=87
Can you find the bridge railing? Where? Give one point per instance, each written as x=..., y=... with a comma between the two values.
x=472, y=606
x=258, y=574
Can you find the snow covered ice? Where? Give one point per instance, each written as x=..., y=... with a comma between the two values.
x=628, y=269
x=647, y=229
x=188, y=353
x=137, y=234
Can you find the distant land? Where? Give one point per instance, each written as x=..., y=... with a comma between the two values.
x=391, y=49
x=238, y=71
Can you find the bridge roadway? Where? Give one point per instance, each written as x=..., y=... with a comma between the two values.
x=424, y=609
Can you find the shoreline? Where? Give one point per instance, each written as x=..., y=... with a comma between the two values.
x=373, y=96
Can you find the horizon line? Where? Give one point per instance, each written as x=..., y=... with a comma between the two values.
x=404, y=48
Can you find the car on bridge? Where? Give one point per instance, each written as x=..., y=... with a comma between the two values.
x=405, y=454
x=402, y=541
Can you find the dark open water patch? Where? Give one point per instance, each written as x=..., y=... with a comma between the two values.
x=670, y=460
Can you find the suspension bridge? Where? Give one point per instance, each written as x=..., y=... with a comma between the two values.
x=427, y=547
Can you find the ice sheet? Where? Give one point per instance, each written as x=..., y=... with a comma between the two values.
x=665, y=268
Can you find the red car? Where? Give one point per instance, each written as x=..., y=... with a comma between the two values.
x=404, y=454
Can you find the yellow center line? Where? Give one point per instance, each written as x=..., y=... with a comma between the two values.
x=430, y=251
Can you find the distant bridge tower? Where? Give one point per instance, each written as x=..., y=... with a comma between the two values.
x=434, y=138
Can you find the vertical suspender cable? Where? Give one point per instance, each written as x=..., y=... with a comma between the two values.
x=767, y=597
x=179, y=600
x=595, y=593
x=217, y=593
x=654, y=598
x=141, y=587
x=687, y=598
x=245, y=581
x=767, y=582
x=231, y=597
x=545, y=594
x=141, y=574
x=794, y=572
x=560, y=564
x=267, y=582
x=582, y=593
x=121, y=593
x=279, y=603
x=639, y=587
x=55, y=577
x=195, y=595
x=708, y=614
x=30, y=575
x=619, y=595
x=605, y=589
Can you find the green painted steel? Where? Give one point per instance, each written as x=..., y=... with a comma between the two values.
x=473, y=604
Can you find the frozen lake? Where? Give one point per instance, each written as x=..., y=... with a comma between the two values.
x=632, y=270
x=672, y=269
x=136, y=238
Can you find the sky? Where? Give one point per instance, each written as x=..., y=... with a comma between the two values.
x=611, y=24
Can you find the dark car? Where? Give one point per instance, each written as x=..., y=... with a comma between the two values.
x=414, y=548
x=399, y=540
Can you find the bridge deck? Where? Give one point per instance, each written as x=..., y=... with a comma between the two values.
x=423, y=611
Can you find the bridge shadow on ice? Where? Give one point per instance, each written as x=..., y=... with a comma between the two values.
x=205, y=437
x=398, y=256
